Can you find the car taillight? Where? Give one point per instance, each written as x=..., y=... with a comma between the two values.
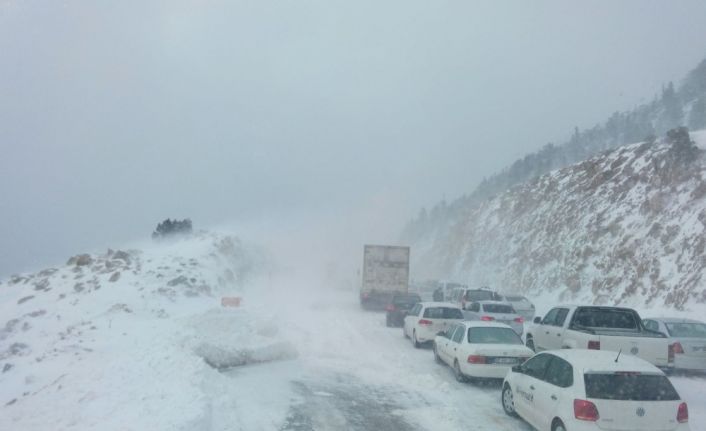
x=683, y=413
x=425, y=322
x=585, y=411
x=487, y=318
x=678, y=349
x=519, y=319
x=476, y=359
x=390, y=308
x=594, y=345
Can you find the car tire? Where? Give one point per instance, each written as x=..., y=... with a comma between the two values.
x=415, y=343
x=458, y=374
x=530, y=343
x=437, y=358
x=508, y=401
x=558, y=425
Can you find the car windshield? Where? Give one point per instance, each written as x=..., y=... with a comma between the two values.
x=629, y=387
x=443, y=313
x=516, y=298
x=493, y=336
x=594, y=317
x=689, y=330
x=406, y=300
x=498, y=308
x=479, y=295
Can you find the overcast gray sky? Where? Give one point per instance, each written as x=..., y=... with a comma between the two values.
x=115, y=115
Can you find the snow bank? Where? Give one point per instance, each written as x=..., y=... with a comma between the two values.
x=84, y=348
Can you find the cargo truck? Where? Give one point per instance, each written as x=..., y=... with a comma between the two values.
x=385, y=272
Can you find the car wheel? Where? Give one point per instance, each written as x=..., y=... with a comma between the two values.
x=437, y=358
x=458, y=374
x=508, y=401
x=530, y=343
x=558, y=426
x=415, y=343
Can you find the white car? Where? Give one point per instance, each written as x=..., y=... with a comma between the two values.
x=522, y=305
x=580, y=390
x=495, y=311
x=426, y=319
x=687, y=339
x=480, y=349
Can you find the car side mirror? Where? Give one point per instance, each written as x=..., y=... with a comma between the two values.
x=537, y=320
x=441, y=333
x=517, y=369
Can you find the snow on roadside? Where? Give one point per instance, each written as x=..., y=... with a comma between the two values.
x=117, y=341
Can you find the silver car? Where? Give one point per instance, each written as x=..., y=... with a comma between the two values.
x=495, y=311
x=687, y=338
x=522, y=305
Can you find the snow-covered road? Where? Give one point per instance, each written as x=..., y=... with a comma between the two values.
x=354, y=373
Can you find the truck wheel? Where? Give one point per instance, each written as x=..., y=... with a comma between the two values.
x=530, y=343
x=508, y=401
x=415, y=343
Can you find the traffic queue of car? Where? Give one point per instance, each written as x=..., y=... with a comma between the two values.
x=477, y=333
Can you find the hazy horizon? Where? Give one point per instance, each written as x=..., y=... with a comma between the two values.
x=115, y=116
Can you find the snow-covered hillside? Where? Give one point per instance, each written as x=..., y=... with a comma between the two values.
x=123, y=340
x=625, y=227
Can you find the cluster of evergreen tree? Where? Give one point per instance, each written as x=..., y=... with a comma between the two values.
x=673, y=108
x=172, y=227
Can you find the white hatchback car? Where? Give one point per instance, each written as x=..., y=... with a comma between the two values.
x=480, y=350
x=577, y=390
x=426, y=319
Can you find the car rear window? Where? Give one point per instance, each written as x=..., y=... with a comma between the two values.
x=443, y=313
x=498, y=308
x=688, y=330
x=406, y=300
x=629, y=387
x=493, y=336
x=606, y=318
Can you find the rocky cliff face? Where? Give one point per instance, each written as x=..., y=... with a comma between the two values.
x=625, y=227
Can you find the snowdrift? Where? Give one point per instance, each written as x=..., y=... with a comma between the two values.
x=128, y=339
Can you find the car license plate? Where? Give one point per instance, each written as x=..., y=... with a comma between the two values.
x=505, y=360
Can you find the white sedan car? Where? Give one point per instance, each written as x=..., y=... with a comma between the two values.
x=426, y=319
x=687, y=338
x=578, y=390
x=480, y=350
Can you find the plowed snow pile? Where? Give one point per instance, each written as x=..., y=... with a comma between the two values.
x=127, y=339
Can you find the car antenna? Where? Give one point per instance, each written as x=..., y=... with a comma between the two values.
x=616, y=358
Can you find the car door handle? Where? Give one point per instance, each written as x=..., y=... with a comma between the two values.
x=554, y=397
x=532, y=387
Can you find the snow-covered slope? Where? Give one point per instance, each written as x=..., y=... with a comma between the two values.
x=123, y=340
x=625, y=227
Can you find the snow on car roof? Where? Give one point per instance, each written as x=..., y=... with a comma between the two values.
x=484, y=324
x=439, y=304
x=604, y=361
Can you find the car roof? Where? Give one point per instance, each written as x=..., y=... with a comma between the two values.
x=673, y=320
x=604, y=361
x=439, y=304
